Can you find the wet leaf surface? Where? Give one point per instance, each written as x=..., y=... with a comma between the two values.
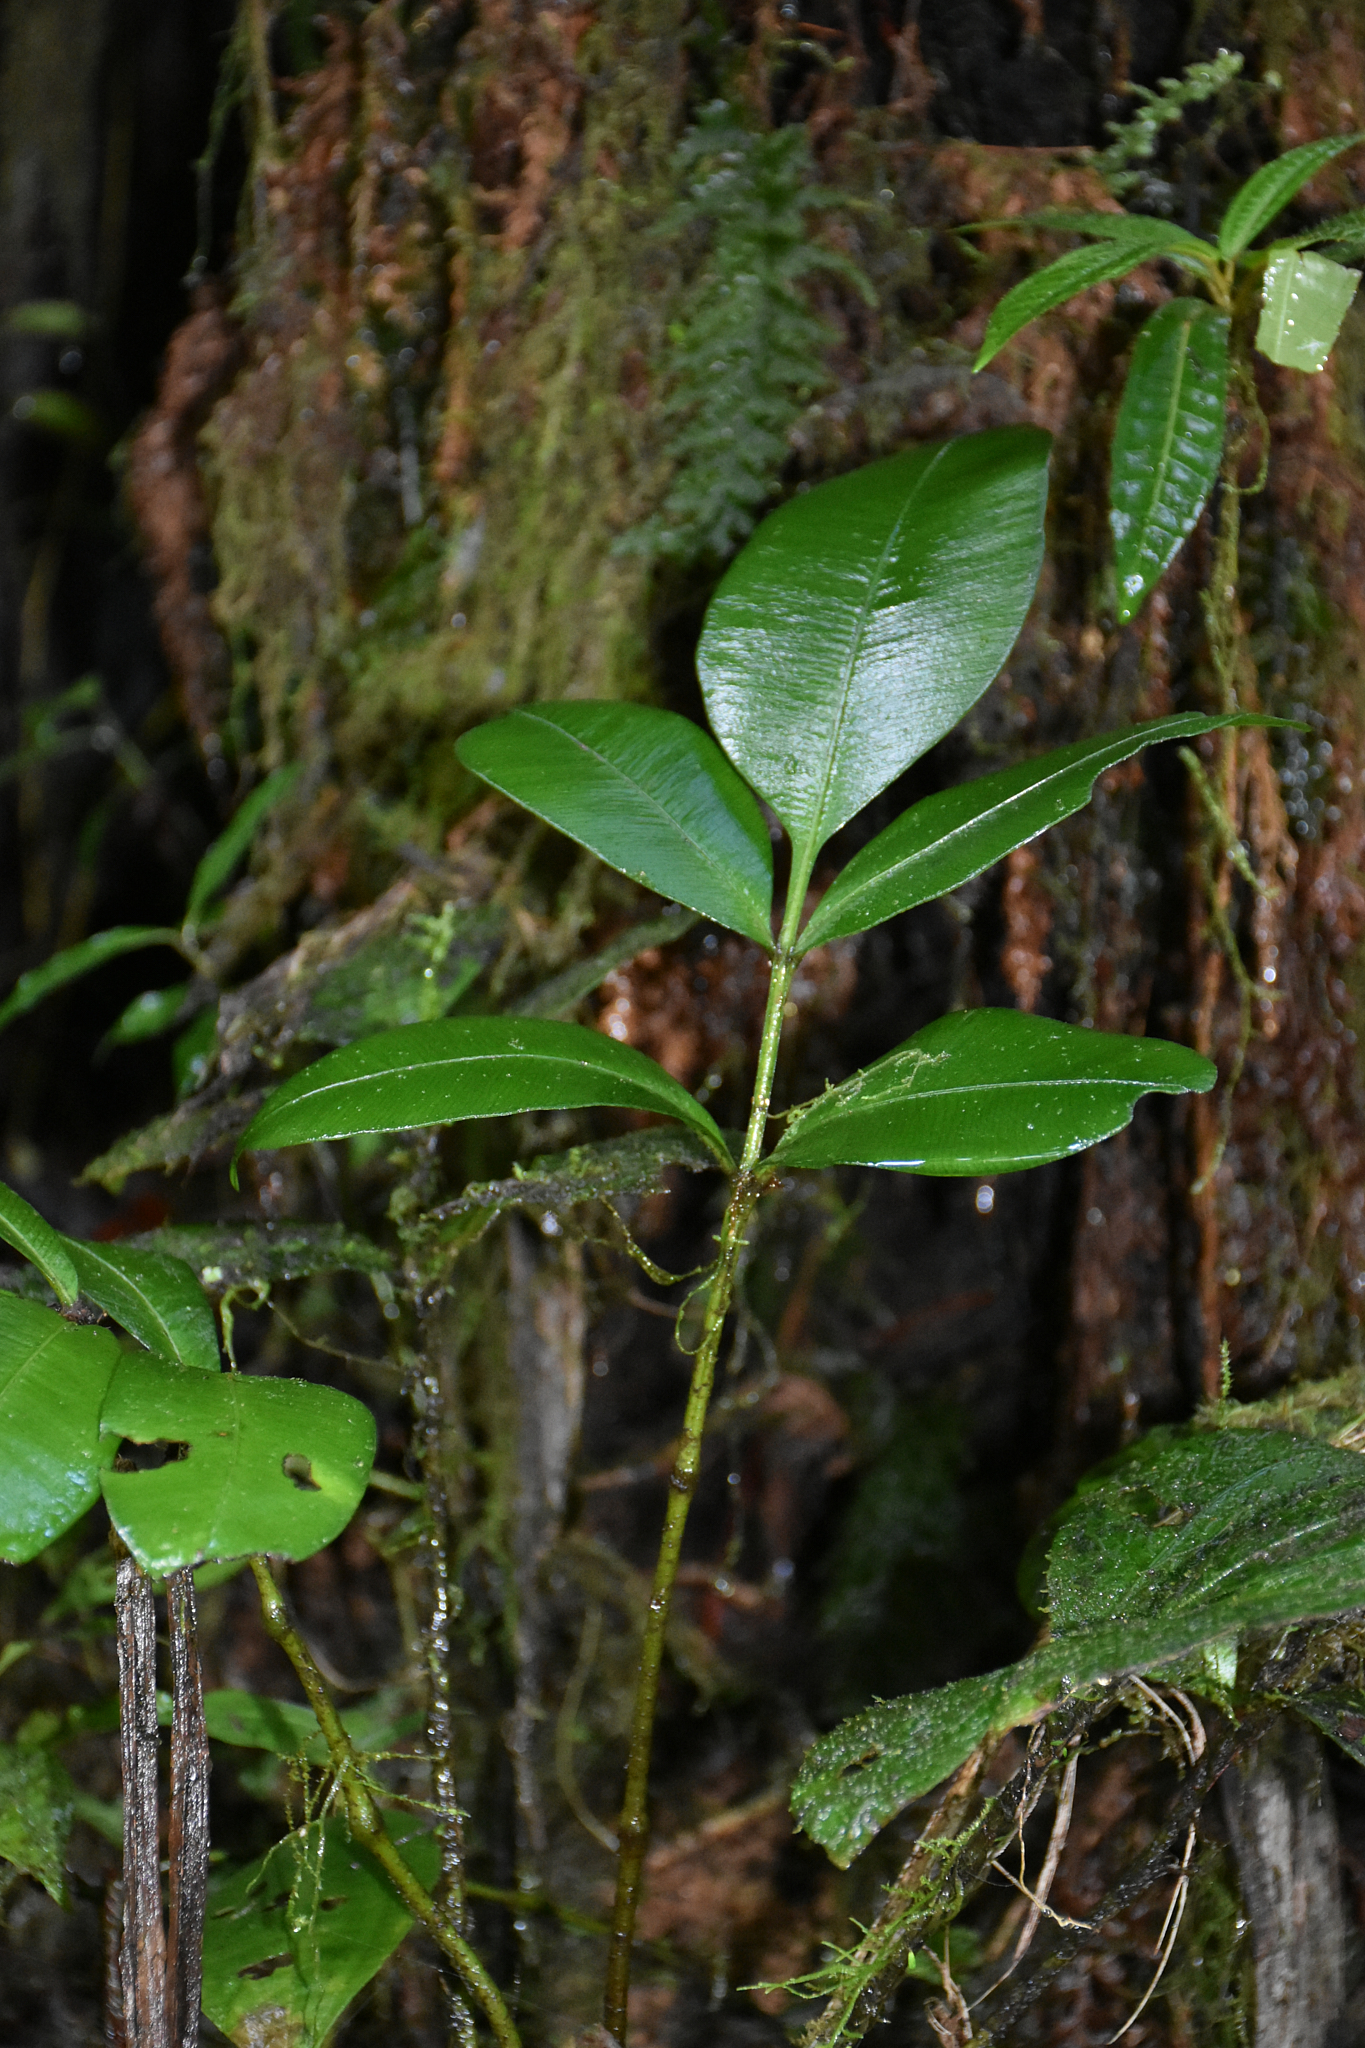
x=53, y=1379
x=1184, y=1542
x=270, y=1465
x=988, y=1091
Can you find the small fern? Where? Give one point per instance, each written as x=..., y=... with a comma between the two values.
x=750, y=354
x=1122, y=164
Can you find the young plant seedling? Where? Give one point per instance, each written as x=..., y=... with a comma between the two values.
x=1171, y=430
x=861, y=622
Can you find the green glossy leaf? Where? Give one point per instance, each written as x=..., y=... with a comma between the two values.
x=1186, y=1542
x=1076, y=272
x=864, y=618
x=468, y=1067
x=648, y=792
x=194, y=1052
x=48, y=1250
x=1272, y=187
x=254, y=1987
x=148, y=1015
x=1305, y=301
x=36, y=1811
x=271, y=1465
x=53, y=1379
x=1115, y=227
x=1168, y=442
x=157, y=1300
x=215, y=869
x=75, y=961
x=988, y=1091
x=944, y=840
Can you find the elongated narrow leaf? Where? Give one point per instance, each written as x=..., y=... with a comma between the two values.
x=1076, y=272
x=944, y=840
x=215, y=869
x=1343, y=231
x=30, y=1233
x=1272, y=187
x=648, y=792
x=1164, y=235
x=157, y=1299
x=1185, y=1542
x=863, y=619
x=1168, y=442
x=37, y=1806
x=75, y=961
x=988, y=1091
x=270, y=1976
x=53, y=1380
x=1305, y=301
x=148, y=1015
x=265, y=1465
x=468, y=1067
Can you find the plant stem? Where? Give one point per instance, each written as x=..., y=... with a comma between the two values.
x=364, y=1818
x=633, y=1831
x=143, y=1952
x=189, y=1830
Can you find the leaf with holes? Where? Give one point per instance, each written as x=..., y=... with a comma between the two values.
x=1272, y=188
x=865, y=617
x=156, y=1298
x=75, y=961
x=988, y=1091
x=1185, y=1542
x=44, y=1247
x=648, y=792
x=253, y=1985
x=944, y=840
x=1076, y=272
x=1305, y=300
x=53, y=1379
x=267, y=1465
x=469, y=1067
x=1168, y=442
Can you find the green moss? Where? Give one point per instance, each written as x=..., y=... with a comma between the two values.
x=1211, y=1982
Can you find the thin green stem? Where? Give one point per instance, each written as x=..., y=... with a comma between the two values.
x=364, y=1818
x=633, y=1830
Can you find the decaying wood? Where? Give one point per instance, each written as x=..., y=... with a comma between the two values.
x=143, y=1969
x=1282, y=1820
x=189, y=1831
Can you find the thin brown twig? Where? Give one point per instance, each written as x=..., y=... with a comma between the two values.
x=142, y=1965
x=189, y=1830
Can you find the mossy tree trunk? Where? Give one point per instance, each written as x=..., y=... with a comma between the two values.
x=441, y=441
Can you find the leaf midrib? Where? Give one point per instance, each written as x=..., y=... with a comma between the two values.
x=810, y=845
x=723, y=873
